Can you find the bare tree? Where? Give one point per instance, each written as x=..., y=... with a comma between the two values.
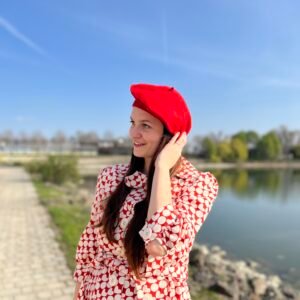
x=38, y=141
x=23, y=138
x=59, y=140
x=108, y=135
x=296, y=137
x=218, y=137
x=195, y=145
x=7, y=137
x=88, y=140
x=286, y=137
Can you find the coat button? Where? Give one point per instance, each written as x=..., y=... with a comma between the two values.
x=124, y=223
x=140, y=294
x=147, y=233
x=120, y=252
x=113, y=280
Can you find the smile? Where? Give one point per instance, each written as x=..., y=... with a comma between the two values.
x=138, y=145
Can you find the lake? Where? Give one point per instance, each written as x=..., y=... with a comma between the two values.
x=256, y=216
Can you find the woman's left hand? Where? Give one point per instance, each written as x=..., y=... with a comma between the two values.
x=172, y=151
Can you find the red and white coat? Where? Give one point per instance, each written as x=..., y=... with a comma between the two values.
x=102, y=267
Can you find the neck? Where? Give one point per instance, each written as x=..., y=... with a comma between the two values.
x=147, y=165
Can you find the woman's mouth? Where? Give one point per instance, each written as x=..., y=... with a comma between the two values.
x=138, y=145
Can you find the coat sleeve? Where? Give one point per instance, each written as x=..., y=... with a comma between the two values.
x=183, y=219
x=87, y=246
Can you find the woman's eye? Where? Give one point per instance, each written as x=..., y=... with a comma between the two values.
x=144, y=125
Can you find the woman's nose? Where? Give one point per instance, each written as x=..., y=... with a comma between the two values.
x=135, y=132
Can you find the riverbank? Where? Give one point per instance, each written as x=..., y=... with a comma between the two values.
x=211, y=270
x=248, y=165
x=90, y=164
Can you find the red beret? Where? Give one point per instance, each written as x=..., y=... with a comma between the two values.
x=165, y=104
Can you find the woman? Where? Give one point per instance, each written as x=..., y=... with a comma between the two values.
x=146, y=213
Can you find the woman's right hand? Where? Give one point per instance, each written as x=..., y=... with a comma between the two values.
x=171, y=152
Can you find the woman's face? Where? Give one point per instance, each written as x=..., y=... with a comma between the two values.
x=145, y=130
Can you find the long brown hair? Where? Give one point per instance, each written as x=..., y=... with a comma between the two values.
x=133, y=243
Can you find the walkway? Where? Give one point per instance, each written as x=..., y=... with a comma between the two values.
x=32, y=266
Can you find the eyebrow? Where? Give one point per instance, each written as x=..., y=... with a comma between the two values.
x=142, y=120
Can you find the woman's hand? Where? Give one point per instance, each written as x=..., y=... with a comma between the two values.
x=172, y=151
x=155, y=249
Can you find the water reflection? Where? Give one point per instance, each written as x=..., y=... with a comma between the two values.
x=248, y=184
x=256, y=216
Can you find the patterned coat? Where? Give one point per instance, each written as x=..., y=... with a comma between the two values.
x=102, y=266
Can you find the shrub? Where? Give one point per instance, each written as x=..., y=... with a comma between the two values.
x=34, y=167
x=57, y=169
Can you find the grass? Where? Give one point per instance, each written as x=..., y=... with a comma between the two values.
x=47, y=194
x=69, y=220
x=206, y=295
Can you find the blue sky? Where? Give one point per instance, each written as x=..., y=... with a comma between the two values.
x=68, y=65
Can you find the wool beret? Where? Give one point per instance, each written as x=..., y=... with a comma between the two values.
x=165, y=104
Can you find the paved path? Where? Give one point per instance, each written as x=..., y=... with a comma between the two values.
x=31, y=264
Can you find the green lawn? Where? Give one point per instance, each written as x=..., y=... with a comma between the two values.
x=69, y=220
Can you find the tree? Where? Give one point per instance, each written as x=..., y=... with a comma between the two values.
x=88, y=138
x=241, y=135
x=252, y=137
x=225, y=151
x=269, y=146
x=59, y=139
x=108, y=135
x=7, y=137
x=23, y=138
x=239, y=149
x=248, y=137
x=296, y=151
x=286, y=138
x=209, y=148
x=195, y=146
x=38, y=140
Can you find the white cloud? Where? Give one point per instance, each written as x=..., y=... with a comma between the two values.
x=121, y=30
x=11, y=29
